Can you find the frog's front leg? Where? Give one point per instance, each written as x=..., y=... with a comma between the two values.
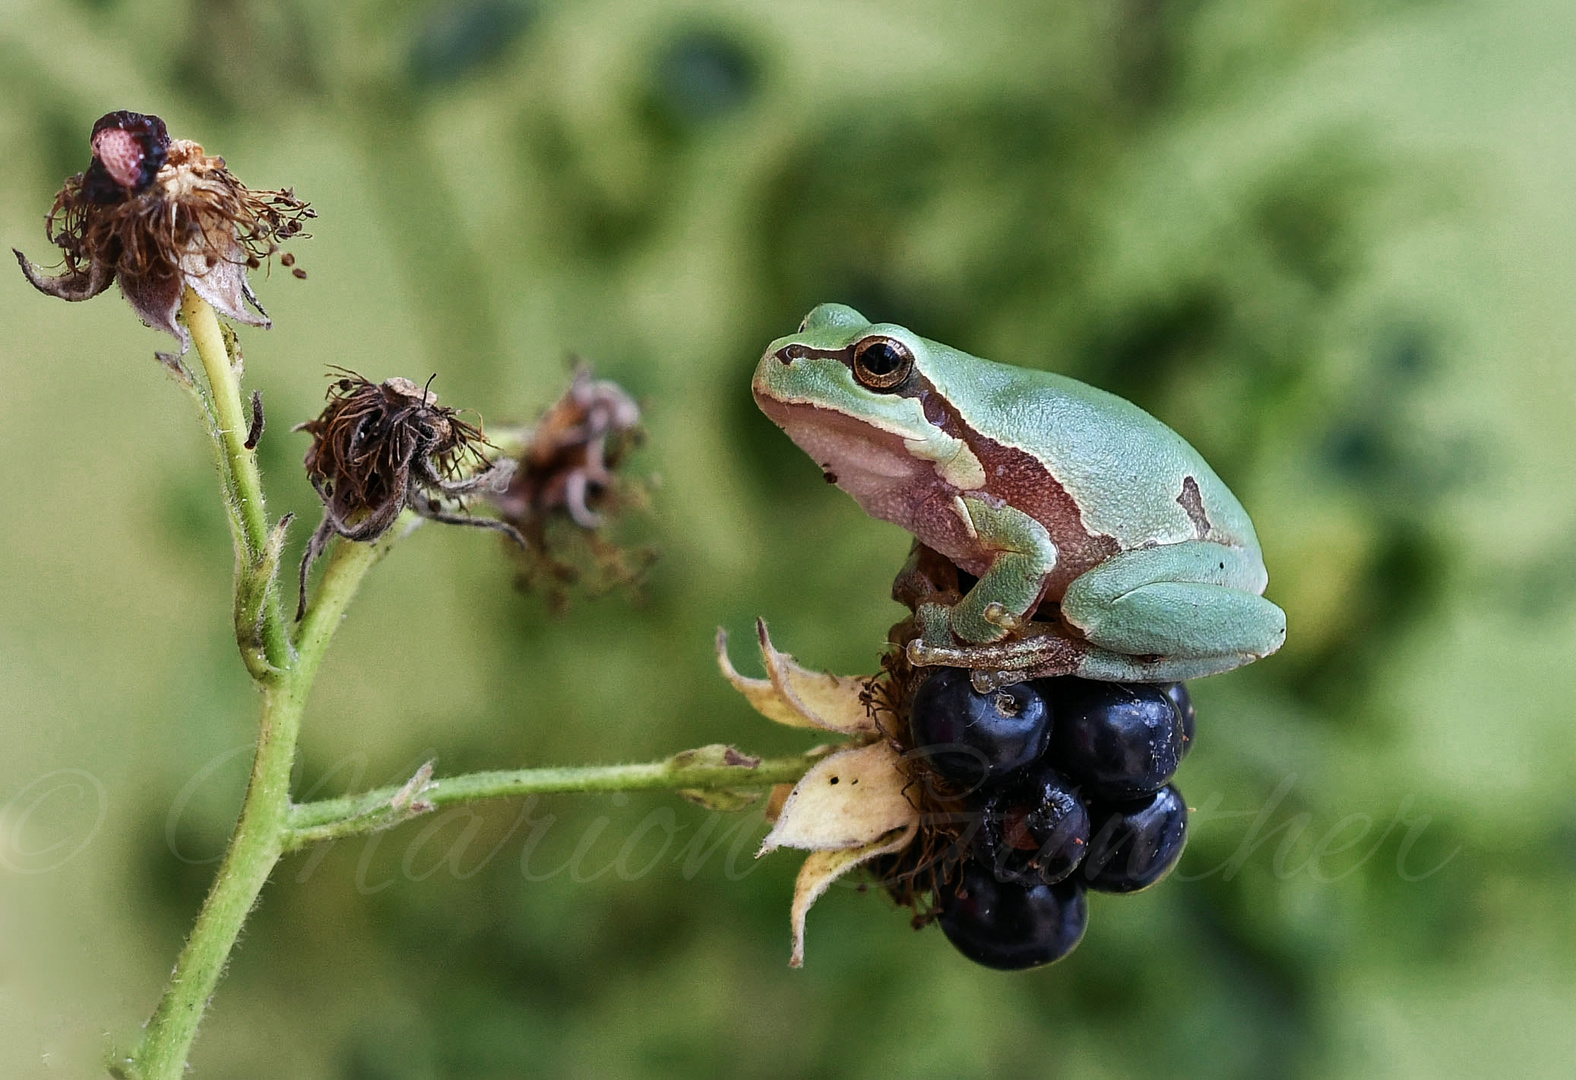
x=1011, y=585
x=1192, y=602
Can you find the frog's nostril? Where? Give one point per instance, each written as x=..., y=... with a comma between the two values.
x=789, y=353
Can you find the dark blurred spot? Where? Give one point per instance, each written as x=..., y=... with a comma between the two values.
x=704, y=74
x=238, y=58
x=1145, y=41
x=1425, y=886
x=180, y=861
x=1408, y=352
x=841, y=217
x=1379, y=443
x=1405, y=576
x=1304, y=215
x=1401, y=583
x=1562, y=844
x=457, y=40
x=389, y=1051
x=190, y=521
x=1272, y=979
x=1357, y=450
x=594, y=217
x=1136, y=356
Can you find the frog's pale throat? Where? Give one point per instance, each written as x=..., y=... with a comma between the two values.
x=874, y=466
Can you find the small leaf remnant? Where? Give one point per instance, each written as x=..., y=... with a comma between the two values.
x=716, y=755
x=255, y=433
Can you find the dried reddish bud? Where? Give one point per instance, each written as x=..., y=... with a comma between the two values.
x=567, y=487
x=129, y=149
x=573, y=450
x=380, y=448
x=160, y=216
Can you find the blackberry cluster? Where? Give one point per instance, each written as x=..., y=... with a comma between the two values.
x=1065, y=785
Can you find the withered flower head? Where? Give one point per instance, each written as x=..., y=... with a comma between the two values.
x=873, y=801
x=859, y=804
x=567, y=488
x=379, y=448
x=160, y=216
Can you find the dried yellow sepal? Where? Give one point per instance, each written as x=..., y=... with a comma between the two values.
x=824, y=867
x=852, y=798
x=797, y=696
x=847, y=809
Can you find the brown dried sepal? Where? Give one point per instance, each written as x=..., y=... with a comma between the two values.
x=380, y=448
x=193, y=225
x=567, y=491
x=947, y=824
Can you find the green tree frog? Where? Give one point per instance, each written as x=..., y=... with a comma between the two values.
x=1058, y=497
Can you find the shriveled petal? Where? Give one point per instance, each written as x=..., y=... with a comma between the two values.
x=156, y=298
x=224, y=285
x=82, y=285
x=797, y=696
x=824, y=867
x=760, y=693
x=853, y=797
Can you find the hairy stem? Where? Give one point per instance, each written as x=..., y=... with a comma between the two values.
x=269, y=825
x=261, y=832
x=262, y=829
x=350, y=815
x=243, y=490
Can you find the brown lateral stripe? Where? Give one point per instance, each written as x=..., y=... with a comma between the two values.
x=1011, y=475
x=1020, y=480
x=1191, y=501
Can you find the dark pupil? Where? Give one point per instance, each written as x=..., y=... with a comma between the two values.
x=881, y=358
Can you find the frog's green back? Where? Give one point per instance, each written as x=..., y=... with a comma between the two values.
x=1126, y=470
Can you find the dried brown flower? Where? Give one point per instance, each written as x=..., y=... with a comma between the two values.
x=160, y=216
x=380, y=448
x=567, y=487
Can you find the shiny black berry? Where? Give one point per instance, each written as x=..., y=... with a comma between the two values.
x=1118, y=741
x=1037, y=830
x=1008, y=926
x=1135, y=844
x=970, y=737
x=1183, y=701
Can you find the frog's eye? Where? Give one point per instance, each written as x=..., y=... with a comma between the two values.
x=882, y=363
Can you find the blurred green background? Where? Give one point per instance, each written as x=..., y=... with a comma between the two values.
x=1333, y=242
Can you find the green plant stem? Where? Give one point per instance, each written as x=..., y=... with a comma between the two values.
x=243, y=485
x=350, y=815
x=260, y=833
x=269, y=825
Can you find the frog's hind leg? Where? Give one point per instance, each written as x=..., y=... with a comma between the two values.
x=1044, y=651
x=1196, y=602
